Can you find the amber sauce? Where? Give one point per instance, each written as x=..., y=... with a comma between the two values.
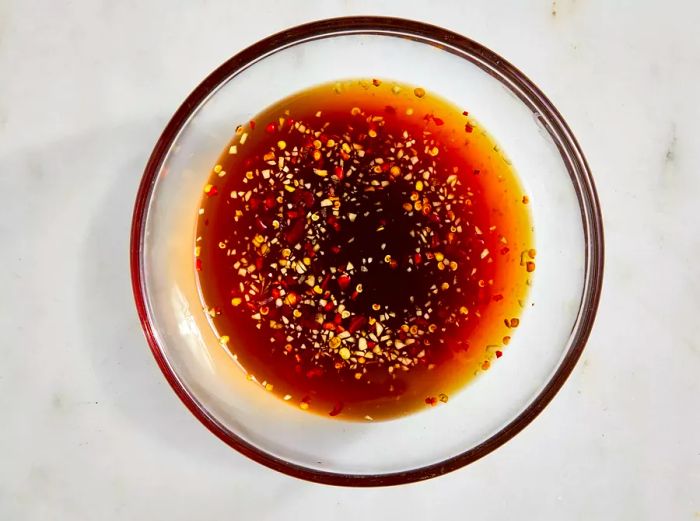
x=364, y=249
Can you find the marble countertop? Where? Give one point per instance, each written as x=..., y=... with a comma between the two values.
x=91, y=430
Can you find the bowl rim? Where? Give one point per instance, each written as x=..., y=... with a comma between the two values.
x=492, y=64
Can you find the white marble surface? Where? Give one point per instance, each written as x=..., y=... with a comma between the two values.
x=90, y=429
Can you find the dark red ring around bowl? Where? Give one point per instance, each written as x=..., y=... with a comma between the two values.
x=493, y=65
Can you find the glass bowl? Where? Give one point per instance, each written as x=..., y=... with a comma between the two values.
x=488, y=411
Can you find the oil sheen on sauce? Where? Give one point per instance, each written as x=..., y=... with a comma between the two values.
x=363, y=249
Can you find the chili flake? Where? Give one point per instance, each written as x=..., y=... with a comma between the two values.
x=359, y=249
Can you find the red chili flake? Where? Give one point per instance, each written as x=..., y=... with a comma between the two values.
x=499, y=354
x=198, y=264
x=308, y=198
x=505, y=250
x=356, y=323
x=339, y=172
x=417, y=258
x=332, y=221
x=376, y=82
x=252, y=124
x=476, y=172
x=335, y=249
x=431, y=400
x=212, y=191
x=270, y=128
x=329, y=306
x=389, y=109
x=336, y=409
x=497, y=298
x=314, y=373
x=344, y=281
x=337, y=319
x=259, y=263
x=296, y=231
x=468, y=128
x=326, y=279
x=431, y=117
x=465, y=113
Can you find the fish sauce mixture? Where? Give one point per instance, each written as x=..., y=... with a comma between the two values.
x=363, y=249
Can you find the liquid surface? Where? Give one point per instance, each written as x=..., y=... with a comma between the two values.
x=363, y=249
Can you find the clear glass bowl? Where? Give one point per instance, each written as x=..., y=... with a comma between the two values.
x=491, y=409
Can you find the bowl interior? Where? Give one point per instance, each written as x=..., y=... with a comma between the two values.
x=206, y=372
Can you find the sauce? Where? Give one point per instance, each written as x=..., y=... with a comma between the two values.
x=363, y=249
